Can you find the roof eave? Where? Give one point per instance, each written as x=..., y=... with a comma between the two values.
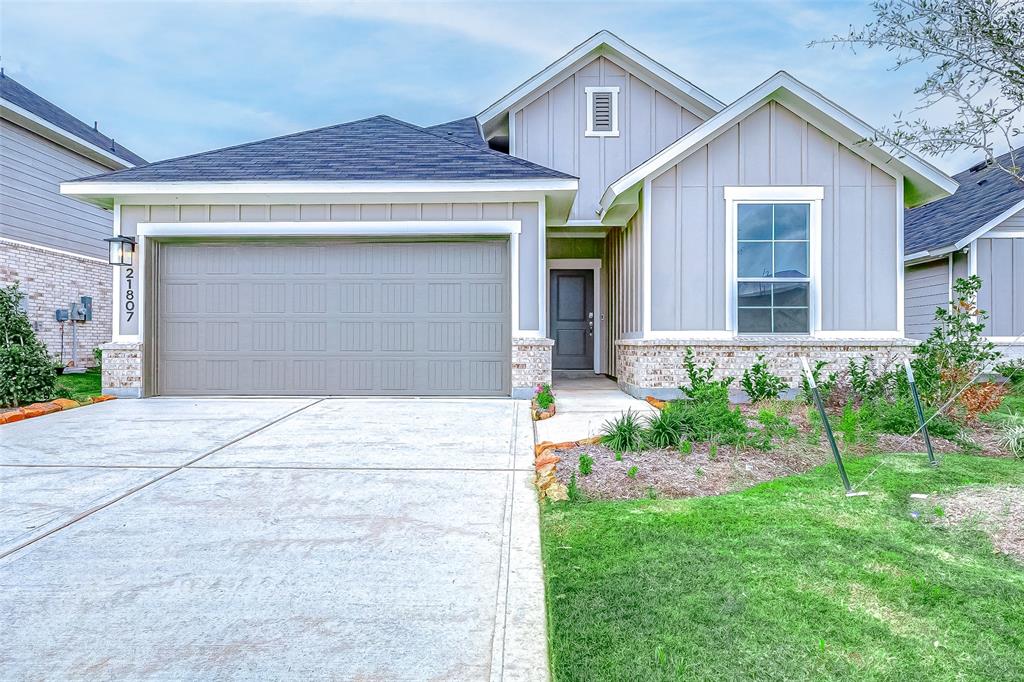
x=603, y=42
x=922, y=181
x=26, y=119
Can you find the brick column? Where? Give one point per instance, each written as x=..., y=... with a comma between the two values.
x=531, y=365
x=122, y=369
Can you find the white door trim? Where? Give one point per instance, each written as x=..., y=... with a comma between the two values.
x=582, y=264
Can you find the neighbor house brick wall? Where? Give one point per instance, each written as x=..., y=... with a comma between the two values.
x=122, y=369
x=654, y=367
x=531, y=365
x=53, y=280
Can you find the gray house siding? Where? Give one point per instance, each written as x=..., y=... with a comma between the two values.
x=31, y=207
x=1001, y=268
x=550, y=130
x=926, y=288
x=1014, y=223
x=525, y=212
x=774, y=146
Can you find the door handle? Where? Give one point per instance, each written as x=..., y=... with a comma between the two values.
x=590, y=325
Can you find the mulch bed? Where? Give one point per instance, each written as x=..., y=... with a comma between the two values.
x=669, y=473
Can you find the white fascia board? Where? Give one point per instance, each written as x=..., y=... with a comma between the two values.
x=348, y=228
x=995, y=222
x=40, y=126
x=806, y=102
x=592, y=47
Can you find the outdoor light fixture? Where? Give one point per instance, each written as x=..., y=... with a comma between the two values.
x=121, y=250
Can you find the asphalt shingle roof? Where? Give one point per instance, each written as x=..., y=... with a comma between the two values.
x=377, y=148
x=465, y=130
x=17, y=94
x=983, y=195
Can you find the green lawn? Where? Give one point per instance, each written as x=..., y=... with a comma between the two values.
x=786, y=580
x=82, y=386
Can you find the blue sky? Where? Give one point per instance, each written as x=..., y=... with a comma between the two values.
x=173, y=78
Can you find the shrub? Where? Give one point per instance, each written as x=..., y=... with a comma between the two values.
x=572, y=491
x=632, y=471
x=625, y=434
x=1012, y=437
x=826, y=384
x=706, y=413
x=703, y=385
x=27, y=374
x=1012, y=371
x=773, y=426
x=685, y=447
x=955, y=352
x=664, y=429
x=544, y=397
x=981, y=398
x=586, y=464
x=760, y=383
x=97, y=354
x=900, y=417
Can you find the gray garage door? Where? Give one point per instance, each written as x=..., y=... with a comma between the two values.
x=333, y=318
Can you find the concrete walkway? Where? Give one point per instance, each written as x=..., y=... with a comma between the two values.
x=271, y=539
x=583, y=404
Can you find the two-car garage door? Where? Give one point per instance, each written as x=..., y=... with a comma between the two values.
x=339, y=317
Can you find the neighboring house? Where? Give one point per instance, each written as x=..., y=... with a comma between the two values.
x=604, y=216
x=51, y=244
x=977, y=231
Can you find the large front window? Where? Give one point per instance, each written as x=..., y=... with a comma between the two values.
x=773, y=268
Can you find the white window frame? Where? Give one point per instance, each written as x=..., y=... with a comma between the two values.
x=614, y=90
x=734, y=196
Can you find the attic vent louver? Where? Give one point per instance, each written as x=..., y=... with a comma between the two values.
x=602, y=112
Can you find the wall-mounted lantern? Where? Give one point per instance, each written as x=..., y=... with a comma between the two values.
x=121, y=250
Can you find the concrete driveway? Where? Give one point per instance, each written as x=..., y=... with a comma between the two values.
x=271, y=539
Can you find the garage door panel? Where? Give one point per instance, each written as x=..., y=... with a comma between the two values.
x=334, y=318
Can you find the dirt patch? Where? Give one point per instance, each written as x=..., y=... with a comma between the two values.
x=669, y=473
x=997, y=510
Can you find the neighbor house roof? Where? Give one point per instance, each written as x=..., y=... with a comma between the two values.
x=923, y=182
x=987, y=196
x=607, y=44
x=28, y=109
x=380, y=148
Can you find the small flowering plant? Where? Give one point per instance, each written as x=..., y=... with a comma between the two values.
x=543, y=396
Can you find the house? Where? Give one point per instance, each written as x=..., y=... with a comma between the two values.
x=604, y=216
x=977, y=231
x=51, y=244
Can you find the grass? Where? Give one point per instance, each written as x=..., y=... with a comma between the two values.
x=82, y=386
x=786, y=580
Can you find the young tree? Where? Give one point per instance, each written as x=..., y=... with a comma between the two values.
x=975, y=49
x=27, y=373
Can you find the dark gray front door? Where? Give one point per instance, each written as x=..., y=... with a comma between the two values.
x=572, y=318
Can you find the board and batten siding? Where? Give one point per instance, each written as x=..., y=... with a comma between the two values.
x=774, y=146
x=623, y=269
x=31, y=207
x=550, y=130
x=1001, y=268
x=1014, y=223
x=525, y=212
x=926, y=288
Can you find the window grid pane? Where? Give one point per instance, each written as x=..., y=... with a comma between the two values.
x=782, y=311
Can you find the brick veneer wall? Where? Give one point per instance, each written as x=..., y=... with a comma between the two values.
x=122, y=369
x=654, y=367
x=531, y=365
x=52, y=280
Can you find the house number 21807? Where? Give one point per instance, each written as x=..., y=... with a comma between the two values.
x=129, y=294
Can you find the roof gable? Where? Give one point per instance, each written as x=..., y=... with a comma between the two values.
x=380, y=148
x=603, y=43
x=922, y=181
x=986, y=197
x=27, y=108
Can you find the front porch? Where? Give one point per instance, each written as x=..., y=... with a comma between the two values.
x=584, y=402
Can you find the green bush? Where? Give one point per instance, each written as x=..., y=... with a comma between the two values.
x=772, y=426
x=625, y=434
x=705, y=413
x=1013, y=371
x=826, y=384
x=27, y=373
x=760, y=383
x=544, y=397
x=900, y=417
x=664, y=429
x=586, y=464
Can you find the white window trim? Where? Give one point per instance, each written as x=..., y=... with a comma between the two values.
x=583, y=264
x=812, y=195
x=614, y=90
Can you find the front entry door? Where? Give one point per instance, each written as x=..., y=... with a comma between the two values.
x=572, y=319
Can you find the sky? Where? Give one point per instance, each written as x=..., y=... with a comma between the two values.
x=173, y=78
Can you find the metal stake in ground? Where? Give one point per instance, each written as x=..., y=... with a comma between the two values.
x=828, y=427
x=920, y=413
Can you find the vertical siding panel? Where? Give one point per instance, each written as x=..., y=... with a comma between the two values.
x=195, y=214
x=755, y=152
x=1016, y=286
x=1000, y=277
x=984, y=247
x=881, y=255
x=641, y=113
x=664, y=259
x=789, y=131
